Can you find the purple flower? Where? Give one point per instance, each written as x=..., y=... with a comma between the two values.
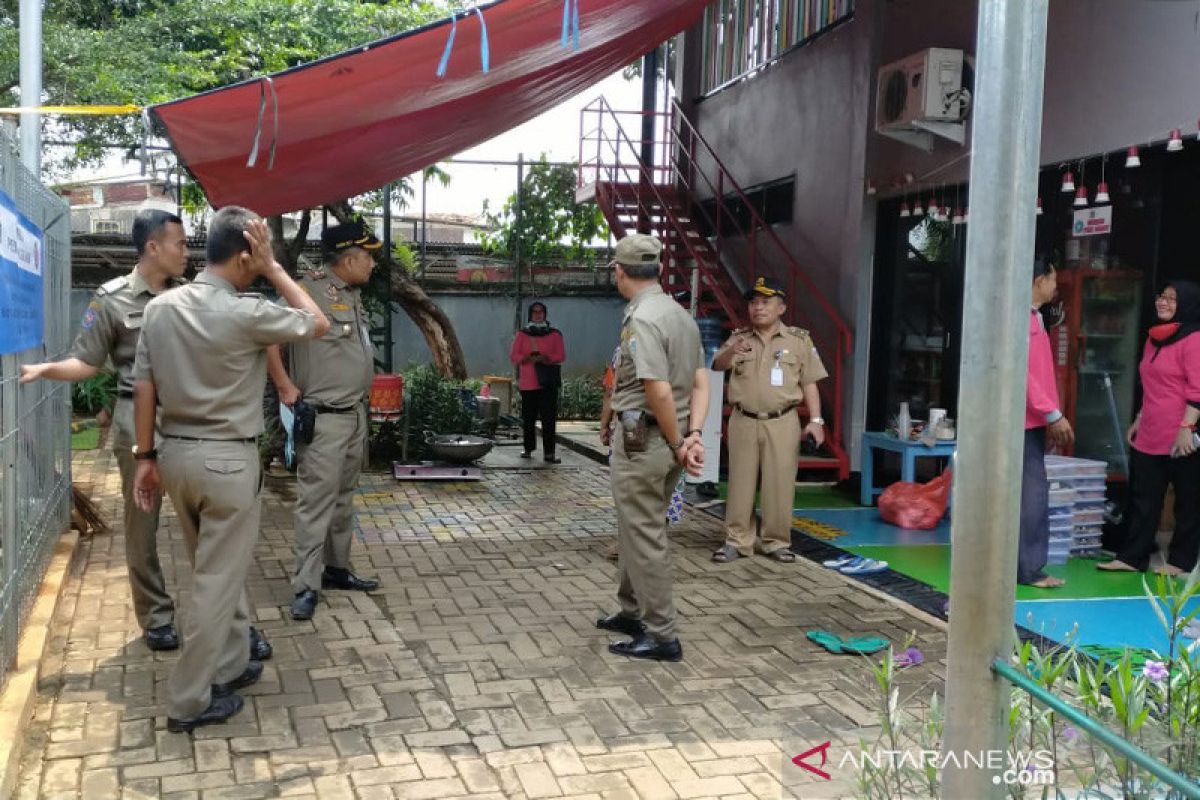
x=1070, y=734
x=912, y=657
x=1156, y=671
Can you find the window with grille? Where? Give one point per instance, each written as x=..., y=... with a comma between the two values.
x=742, y=35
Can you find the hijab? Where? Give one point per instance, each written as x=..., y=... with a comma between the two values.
x=537, y=328
x=1186, y=320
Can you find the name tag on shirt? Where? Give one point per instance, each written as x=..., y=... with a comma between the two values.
x=777, y=376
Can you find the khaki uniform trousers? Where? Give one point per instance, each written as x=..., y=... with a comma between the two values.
x=327, y=476
x=215, y=489
x=151, y=602
x=642, y=484
x=771, y=448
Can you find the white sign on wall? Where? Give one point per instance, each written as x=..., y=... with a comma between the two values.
x=1092, y=221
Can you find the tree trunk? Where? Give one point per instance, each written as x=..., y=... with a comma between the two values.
x=433, y=323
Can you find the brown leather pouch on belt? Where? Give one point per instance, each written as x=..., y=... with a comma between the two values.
x=633, y=430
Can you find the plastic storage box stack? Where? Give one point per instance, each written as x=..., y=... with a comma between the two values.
x=1076, y=506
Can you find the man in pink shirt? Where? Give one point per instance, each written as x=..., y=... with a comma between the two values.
x=1043, y=418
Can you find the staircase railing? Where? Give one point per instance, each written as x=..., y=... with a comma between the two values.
x=616, y=166
x=744, y=243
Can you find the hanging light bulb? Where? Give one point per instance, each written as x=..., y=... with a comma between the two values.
x=958, y=219
x=1081, y=199
x=871, y=190
x=1039, y=207
x=904, y=212
x=1068, y=184
x=1175, y=141
x=932, y=207
x=1102, y=194
x=918, y=211
x=1132, y=161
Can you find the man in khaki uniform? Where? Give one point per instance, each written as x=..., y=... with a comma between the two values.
x=773, y=368
x=109, y=330
x=333, y=375
x=202, y=362
x=659, y=403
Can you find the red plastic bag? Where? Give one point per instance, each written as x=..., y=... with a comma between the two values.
x=917, y=506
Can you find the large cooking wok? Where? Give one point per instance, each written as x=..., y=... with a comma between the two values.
x=458, y=448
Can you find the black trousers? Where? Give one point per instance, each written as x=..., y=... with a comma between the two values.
x=1148, y=490
x=1034, y=548
x=539, y=404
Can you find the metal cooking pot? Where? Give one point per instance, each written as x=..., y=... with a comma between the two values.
x=458, y=448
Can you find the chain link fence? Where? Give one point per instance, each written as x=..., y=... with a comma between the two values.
x=35, y=436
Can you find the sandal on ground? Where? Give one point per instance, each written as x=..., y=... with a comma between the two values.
x=868, y=566
x=1116, y=565
x=782, y=555
x=726, y=554
x=527, y=454
x=830, y=641
x=1047, y=582
x=842, y=561
x=864, y=645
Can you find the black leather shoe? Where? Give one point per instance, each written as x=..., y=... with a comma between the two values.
x=334, y=578
x=260, y=648
x=305, y=604
x=648, y=647
x=164, y=637
x=249, y=677
x=552, y=460
x=220, y=709
x=621, y=623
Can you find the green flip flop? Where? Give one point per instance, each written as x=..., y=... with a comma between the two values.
x=864, y=645
x=831, y=642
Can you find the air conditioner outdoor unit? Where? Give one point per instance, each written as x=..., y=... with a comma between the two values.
x=925, y=95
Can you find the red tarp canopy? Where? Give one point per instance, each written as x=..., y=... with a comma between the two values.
x=351, y=123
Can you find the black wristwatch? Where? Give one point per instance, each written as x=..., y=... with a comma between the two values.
x=693, y=430
x=147, y=455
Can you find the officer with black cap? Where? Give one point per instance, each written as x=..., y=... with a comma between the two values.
x=773, y=368
x=332, y=375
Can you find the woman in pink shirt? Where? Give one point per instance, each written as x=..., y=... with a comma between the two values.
x=1162, y=437
x=1043, y=418
x=538, y=350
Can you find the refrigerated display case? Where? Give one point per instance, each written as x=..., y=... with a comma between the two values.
x=1096, y=356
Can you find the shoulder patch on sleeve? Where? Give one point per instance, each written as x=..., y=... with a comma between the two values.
x=115, y=285
x=90, y=315
x=800, y=332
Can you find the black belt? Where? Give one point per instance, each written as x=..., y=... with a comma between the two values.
x=334, y=410
x=247, y=440
x=766, y=414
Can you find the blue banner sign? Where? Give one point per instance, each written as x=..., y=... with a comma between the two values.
x=22, y=257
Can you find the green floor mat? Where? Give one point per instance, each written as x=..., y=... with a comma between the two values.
x=86, y=439
x=931, y=564
x=809, y=497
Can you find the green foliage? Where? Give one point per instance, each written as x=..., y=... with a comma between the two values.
x=1151, y=700
x=581, y=398
x=431, y=403
x=97, y=393
x=149, y=51
x=552, y=226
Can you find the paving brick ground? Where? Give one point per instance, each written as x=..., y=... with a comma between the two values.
x=476, y=671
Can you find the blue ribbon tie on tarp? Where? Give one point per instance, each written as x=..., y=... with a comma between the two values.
x=485, y=57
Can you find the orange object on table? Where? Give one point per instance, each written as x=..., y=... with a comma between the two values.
x=387, y=397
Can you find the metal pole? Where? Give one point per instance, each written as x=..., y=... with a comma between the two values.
x=517, y=239
x=388, y=265
x=1010, y=70
x=30, y=24
x=424, y=187
x=649, y=106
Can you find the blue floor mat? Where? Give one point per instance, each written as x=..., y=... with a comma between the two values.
x=864, y=527
x=1128, y=622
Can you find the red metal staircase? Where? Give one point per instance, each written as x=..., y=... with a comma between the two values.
x=715, y=240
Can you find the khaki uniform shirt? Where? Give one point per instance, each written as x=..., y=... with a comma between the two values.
x=112, y=324
x=205, y=350
x=335, y=370
x=750, y=383
x=659, y=341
